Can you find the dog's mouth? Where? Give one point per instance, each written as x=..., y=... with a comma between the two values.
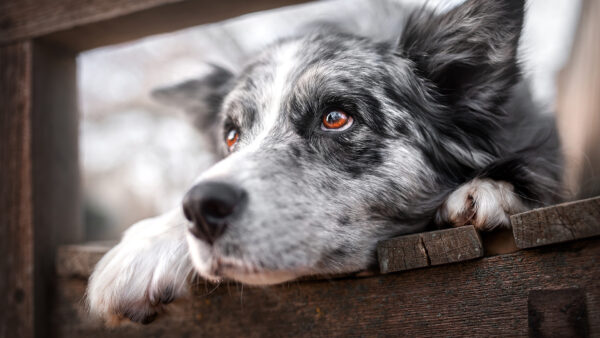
x=222, y=268
x=216, y=268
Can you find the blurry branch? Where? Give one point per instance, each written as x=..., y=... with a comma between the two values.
x=578, y=105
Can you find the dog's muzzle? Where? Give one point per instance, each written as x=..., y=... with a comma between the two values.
x=209, y=206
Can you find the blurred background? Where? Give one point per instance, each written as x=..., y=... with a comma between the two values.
x=139, y=157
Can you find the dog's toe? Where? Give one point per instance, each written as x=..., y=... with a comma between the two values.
x=484, y=203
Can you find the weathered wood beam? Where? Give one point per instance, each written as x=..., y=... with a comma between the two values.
x=556, y=224
x=429, y=248
x=486, y=297
x=80, y=25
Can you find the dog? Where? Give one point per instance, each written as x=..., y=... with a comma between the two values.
x=332, y=142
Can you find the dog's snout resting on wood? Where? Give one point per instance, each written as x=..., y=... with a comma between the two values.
x=332, y=142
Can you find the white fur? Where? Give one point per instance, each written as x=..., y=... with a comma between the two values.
x=485, y=203
x=151, y=258
x=285, y=62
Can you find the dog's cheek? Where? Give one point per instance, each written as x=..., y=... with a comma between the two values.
x=355, y=155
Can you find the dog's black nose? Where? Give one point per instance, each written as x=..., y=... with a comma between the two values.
x=209, y=206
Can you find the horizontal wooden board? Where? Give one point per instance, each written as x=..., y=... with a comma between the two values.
x=478, y=298
x=429, y=248
x=556, y=224
x=79, y=260
x=80, y=25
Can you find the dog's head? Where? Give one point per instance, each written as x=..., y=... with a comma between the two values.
x=334, y=142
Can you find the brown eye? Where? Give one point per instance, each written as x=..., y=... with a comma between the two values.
x=336, y=120
x=232, y=137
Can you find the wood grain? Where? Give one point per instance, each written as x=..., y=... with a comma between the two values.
x=39, y=181
x=78, y=260
x=429, y=248
x=16, y=203
x=80, y=25
x=556, y=224
x=557, y=313
x=487, y=297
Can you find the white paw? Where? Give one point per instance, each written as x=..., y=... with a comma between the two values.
x=482, y=202
x=146, y=270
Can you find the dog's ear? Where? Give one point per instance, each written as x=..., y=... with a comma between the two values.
x=469, y=53
x=200, y=98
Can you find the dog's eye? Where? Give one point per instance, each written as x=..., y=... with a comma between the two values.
x=336, y=120
x=232, y=137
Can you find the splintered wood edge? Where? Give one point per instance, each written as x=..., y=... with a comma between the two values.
x=429, y=249
x=559, y=223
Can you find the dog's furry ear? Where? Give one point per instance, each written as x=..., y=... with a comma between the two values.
x=469, y=53
x=200, y=98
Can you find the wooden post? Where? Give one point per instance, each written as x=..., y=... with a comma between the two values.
x=16, y=188
x=578, y=105
x=39, y=185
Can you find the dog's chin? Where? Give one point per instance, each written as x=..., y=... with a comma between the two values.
x=216, y=269
x=259, y=277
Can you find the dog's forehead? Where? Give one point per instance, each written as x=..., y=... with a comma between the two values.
x=293, y=65
x=262, y=85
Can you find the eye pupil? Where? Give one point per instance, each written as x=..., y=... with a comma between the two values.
x=232, y=137
x=334, y=117
x=336, y=120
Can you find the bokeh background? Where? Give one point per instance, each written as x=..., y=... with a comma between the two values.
x=139, y=157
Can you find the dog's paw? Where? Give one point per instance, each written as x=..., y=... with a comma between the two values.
x=146, y=270
x=482, y=202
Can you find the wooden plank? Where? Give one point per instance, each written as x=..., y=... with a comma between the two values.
x=88, y=24
x=557, y=313
x=16, y=204
x=556, y=224
x=79, y=260
x=487, y=297
x=429, y=248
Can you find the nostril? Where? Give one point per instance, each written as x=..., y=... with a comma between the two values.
x=209, y=205
x=217, y=208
